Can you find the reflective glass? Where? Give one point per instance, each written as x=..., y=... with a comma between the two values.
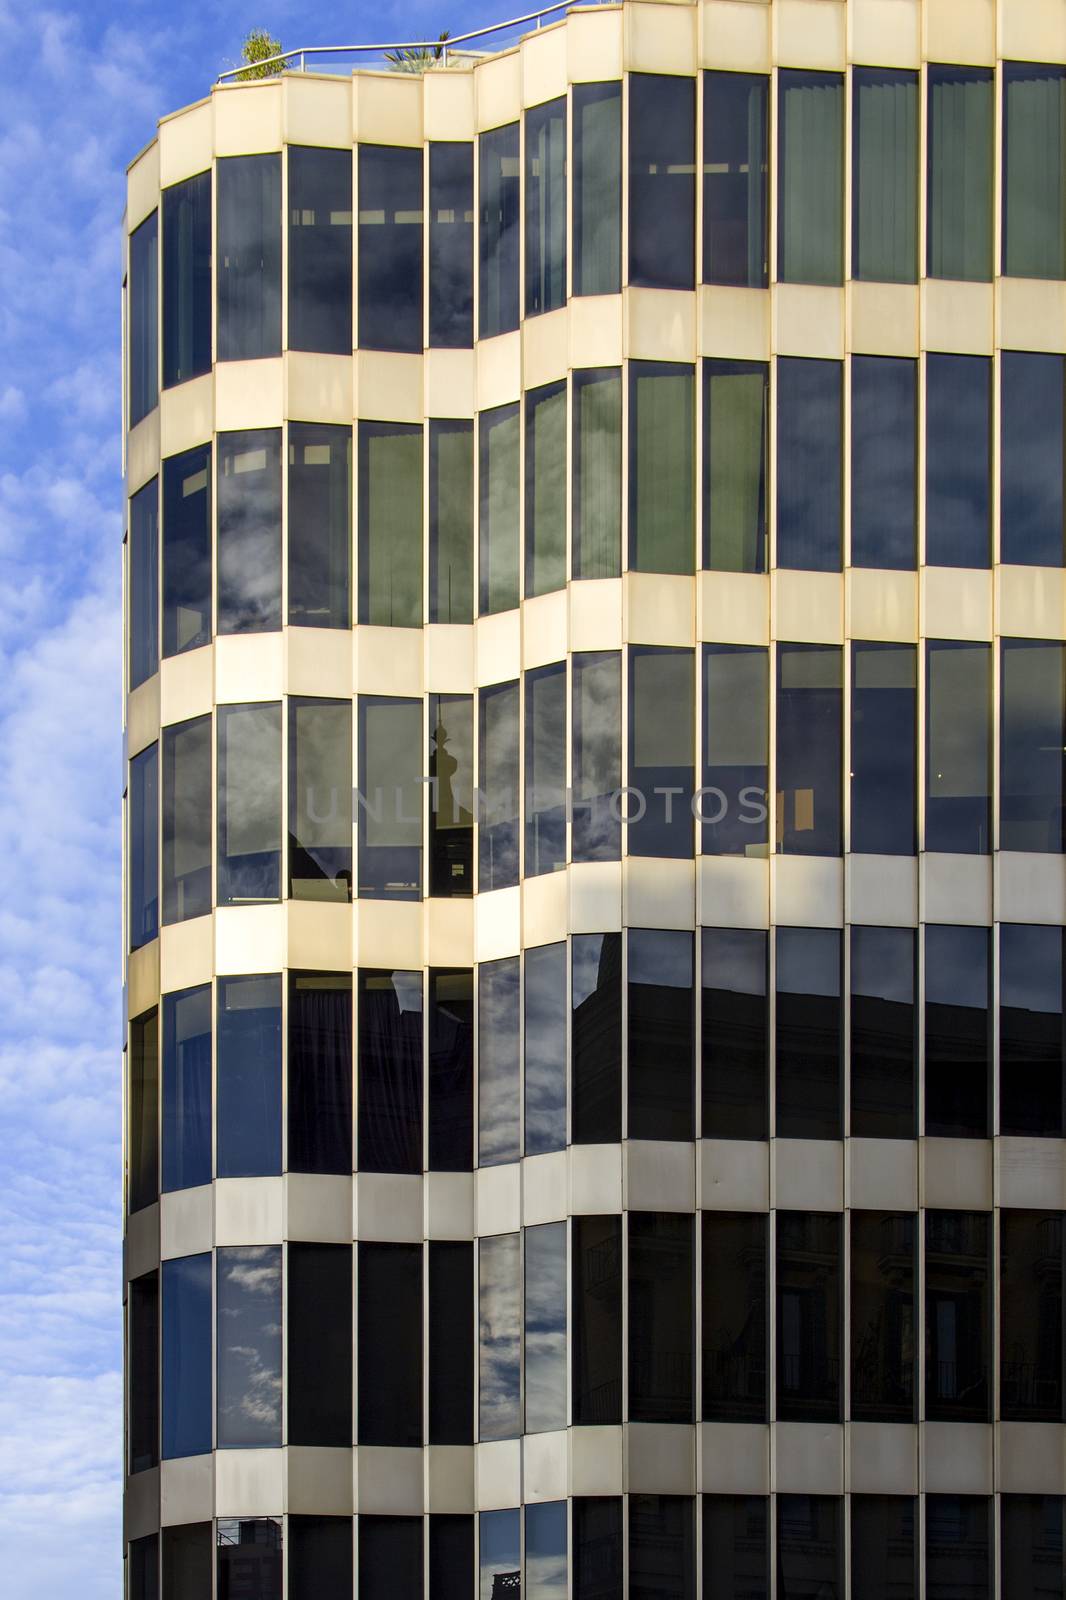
x=498, y=230
x=545, y=770
x=884, y=1546
x=499, y=1097
x=661, y=1042
x=809, y=1328
x=596, y=1299
x=143, y=1568
x=143, y=825
x=248, y=1077
x=596, y=767
x=884, y=749
x=451, y=245
x=958, y=1321
x=810, y=1546
x=499, y=1337
x=187, y=279
x=545, y=468
x=545, y=1570
x=389, y=1345
x=810, y=1018
x=1031, y=1040
x=735, y=463
x=662, y=1547
x=390, y=1072
x=1031, y=1545
x=186, y=1358
x=450, y=1371
x=885, y=140
x=884, y=1035
x=451, y=795
x=142, y=1115
x=451, y=1556
x=958, y=1045
x=735, y=1033
x=249, y=531
x=1032, y=458
x=884, y=462
x=544, y=1003
x=958, y=460
x=187, y=1560
x=545, y=205
x=884, y=1334
x=319, y=1073
x=320, y=250
x=661, y=755
x=596, y=1038
x=810, y=477
x=320, y=525
x=597, y=187
x=249, y=1558
x=451, y=521
x=498, y=751
x=390, y=524
x=958, y=1546
x=958, y=755
x=390, y=798
x=1034, y=170
x=662, y=181
x=318, y=1371
x=736, y=1547
x=959, y=184
x=451, y=1070
x=1032, y=747
x=596, y=442
x=143, y=314
x=809, y=696
x=248, y=257
x=597, y=1562
x=320, y=799
x=498, y=509
x=662, y=470
x=144, y=584
x=810, y=153
x=390, y=1558
x=735, y=1333
x=544, y=1328
x=735, y=178
x=142, y=1358
x=249, y=1347
x=390, y=248
x=319, y=1557
x=1030, y=1300
x=249, y=803
x=186, y=1122
x=500, y=1554
x=661, y=1317
x=186, y=550
x=736, y=715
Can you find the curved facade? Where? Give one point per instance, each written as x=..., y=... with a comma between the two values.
x=595, y=883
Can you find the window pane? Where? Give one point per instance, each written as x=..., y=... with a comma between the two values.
x=249, y=1347
x=735, y=464
x=500, y=1554
x=143, y=1568
x=544, y=1340
x=248, y=1067
x=249, y=531
x=498, y=480
x=142, y=1138
x=187, y=1561
x=1032, y=762
x=661, y=1317
x=961, y=115
x=884, y=462
x=143, y=314
x=320, y=525
x=390, y=1072
x=597, y=473
x=736, y=714
x=809, y=1319
x=884, y=1037
x=249, y=1558
x=1031, y=1350
x=451, y=1070
x=885, y=176
x=390, y=798
x=734, y=1285
x=662, y=181
x=320, y=799
x=187, y=279
x=451, y=245
x=186, y=1088
x=249, y=257
x=883, y=1313
x=884, y=749
x=597, y=1573
x=1031, y=1546
x=735, y=171
x=661, y=1045
x=596, y=1373
x=186, y=1347
x=451, y=521
x=499, y=1337
x=958, y=1046
x=498, y=787
x=546, y=1575
x=661, y=466
x=546, y=489
x=810, y=1539
x=1032, y=458
x=810, y=153
x=544, y=1000
x=143, y=603
x=735, y=1033
x=1030, y=1030
x=390, y=1344
x=661, y=739
x=498, y=230
x=1034, y=170
x=596, y=1038
x=320, y=250
x=662, y=1547
x=143, y=1372
x=810, y=427
x=390, y=1558
x=958, y=1317
x=545, y=770
x=187, y=550
x=187, y=820
x=144, y=846
x=596, y=771
x=499, y=1088
x=884, y=1546
x=319, y=1557
x=451, y=1343
x=319, y=1356
x=958, y=1551
x=390, y=248
x=958, y=453
x=597, y=188
x=958, y=799
x=451, y=1557
x=809, y=695
x=451, y=795
x=736, y=1547
x=320, y=1072
x=546, y=207
x=390, y=524
x=809, y=1034
x=249, y=803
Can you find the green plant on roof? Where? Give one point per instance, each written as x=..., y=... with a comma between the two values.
x=257, y=50
x=419, y=58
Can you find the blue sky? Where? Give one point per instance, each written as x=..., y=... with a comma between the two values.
x=83, y=87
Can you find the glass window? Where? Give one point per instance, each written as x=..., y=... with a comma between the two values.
x=596, y=772
x=884, y=748
x=1031, y=1546
x=544, y=1332
x=735, y=463
x=390, y=524
x=661, y=1041
x=1032, y=458
x=187, y=279
x=498, y=746
x=499, y=1089
x=958, y=455
x=390, y=1071
x=958, y=1047
x=451, y=1342
x=596, y=1299
x=249, y=1558
x=958, y=758
x=735, y=178
x=661, y=1317
x=544, y=1010
x=451, y=521
x=143, y=1371
x=142, y=1114
x=187, y=1560
x=884, y=1546
x=389, y=1344
x=810, y=153
x=320, y=525
x=546, y=207
x=736, y=714
x=320, y=799
x=319, y=1356
x=884, y=241
x=809, y=694
x=662, y=1547
x=596, y=441
x=883, y=1311
x=1030, y=1295
x=958, y=1546
x=1034, y=170
x=662, y=469
x=320, y=1072
x=810, y=495
x=545, y=1570
x=451, y=795
x=809, y=1034
x=249, y=1347
x=597, y=1565
x=498, y=230
x=390, y=248
x=186, y=1122
x=597, y=184
x=186, y=1358
x=390, y=1558
x=249, y=531
x=249, y=803
x=143, y=603
x=736, y=1547
x=451, y=1070
x=451, y=1556
x=451, y=245
x=545, y=770
x=596, y=1038
x=143, y=319
x=144, y=846
x=498, y=510
x=735, y=1338
x=662, y=181
x=1032, y=762
x=810, y=1540
x=884, y=1035
x=959, y=185
x=187, y=550
x=249, y=257
x=958, y=1317
x=809, y=1316
x=546, y=488
x=499, y=1337
x=248, y=1077
x=320, y=250
x=735, y=1033
x=884, y=462
x=143, y=1568
x=661, y=739
x=499, y=1549
x=390, y=798
x=1031, y=1042
x=319, y=1557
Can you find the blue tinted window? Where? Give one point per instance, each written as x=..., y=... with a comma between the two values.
x=249, y=1077
x=735, y=166
x=249, y=257
x=884, y=749
x=884, y=462
x=451, y=245
x=390, y=248
x=498, y=231
x=187, y=1088
x=958, y=460
x=1032, y=744
x=736, y=713
x=809, y=695
x=249, y=1347
x=187, y=1356
x=187, y=550
x=958, y=776
x=662, y=181
x=544, y=1344
x=143, y=332
x=144, y=583
x=661, y=751
x=1033, y=458
x=545, y=1576
x=319, y=1072
x=809, y=463
x=144, y=846
x=500, y=1552
x=320, y=250
x=187, y=279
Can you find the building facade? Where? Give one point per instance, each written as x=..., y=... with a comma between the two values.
x=595, y=613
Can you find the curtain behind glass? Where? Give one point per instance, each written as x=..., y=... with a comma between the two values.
x=810, y=246
x=498, y=490
x=249, y=257
x=885, y=176
x=451, y=520
x=597, y=473
x=249, y=803
x=498, y=230
x=597, y=186
x=1034, y=170
x=320, y=799
x=320, y=1073
x=319, y=525
x=187, y=279
x=390, y=524
x=546, y=207
x=961, y=111
x=390, y=1072
x=187, y=820
x=546, y=489
x=735, y=223
x=661, y=467
x=736, y=442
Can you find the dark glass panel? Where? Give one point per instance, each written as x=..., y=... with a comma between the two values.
x=810, y=155
x=809, y=1319
x=499, y=1087
x=451, y=795
x=662, y=467
x=187, y=279
x=1032, y=750
x=544, y=1344
x=884, y=749
x=735, y=1028
x=320, y=525
x=451, y=246
x=187, y=1561
x=143, y=317
x=545, y=770
x=390, y=248
x=1030, y=1299
x=320, y=250
x=810, y=1018
x=662, y=1547
x=597, y=185
x=596, y=1299
x=390, y=524
x=390, y=1071
x=596, y=444
x=1032, y=417
x=596, y=1038
x=500, y=1337
x=319, y=1353
x=451, y=1557
x=884, y=1033
x=1031, y=1041
x=143, y=1568
x=187, y=550
x=958, y=782
x=544, y=1001
x=144, y=846
x=248, y=1383
x=142, y=1114
x=736, y=714
x=958, y=1044
x=545, y=206
x=596, y=769
x=249, y=803
x=598, y=1558
x=545, y=1551
x=736, y=445
x=885, y=144
x=498, y=509
x=661, y=753
x=662, y=181
x=661, y=1040
x=143, y=569
x=545, y=468
x=143, y=1372
x=319, y=1557
x=249, y=1558
x=451, y=520
x=498, y=755
x=249, y=531
x=390, y=1558
x=958, y=1547
x=186, y=1360
x=661, y=1317
x=736, y=1547
x=1031, y=1547
x=186, y=1130
x=1034, y=172
x=248, y=1077
x=451, y=1070
x=884, y=1546
x=810, y=1546
x=958, y=460
x=498, y=230
x=187, y=820
x=320, y=799
x=736, y=125
x=320, y=1072
x=451, y=1342
x=810, y=477
x=958, y=1318
x=735, y=1333
x=390, y=1344
x=248, y=264
x=884, y=1332
x=959, y=185
x=884, y=462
